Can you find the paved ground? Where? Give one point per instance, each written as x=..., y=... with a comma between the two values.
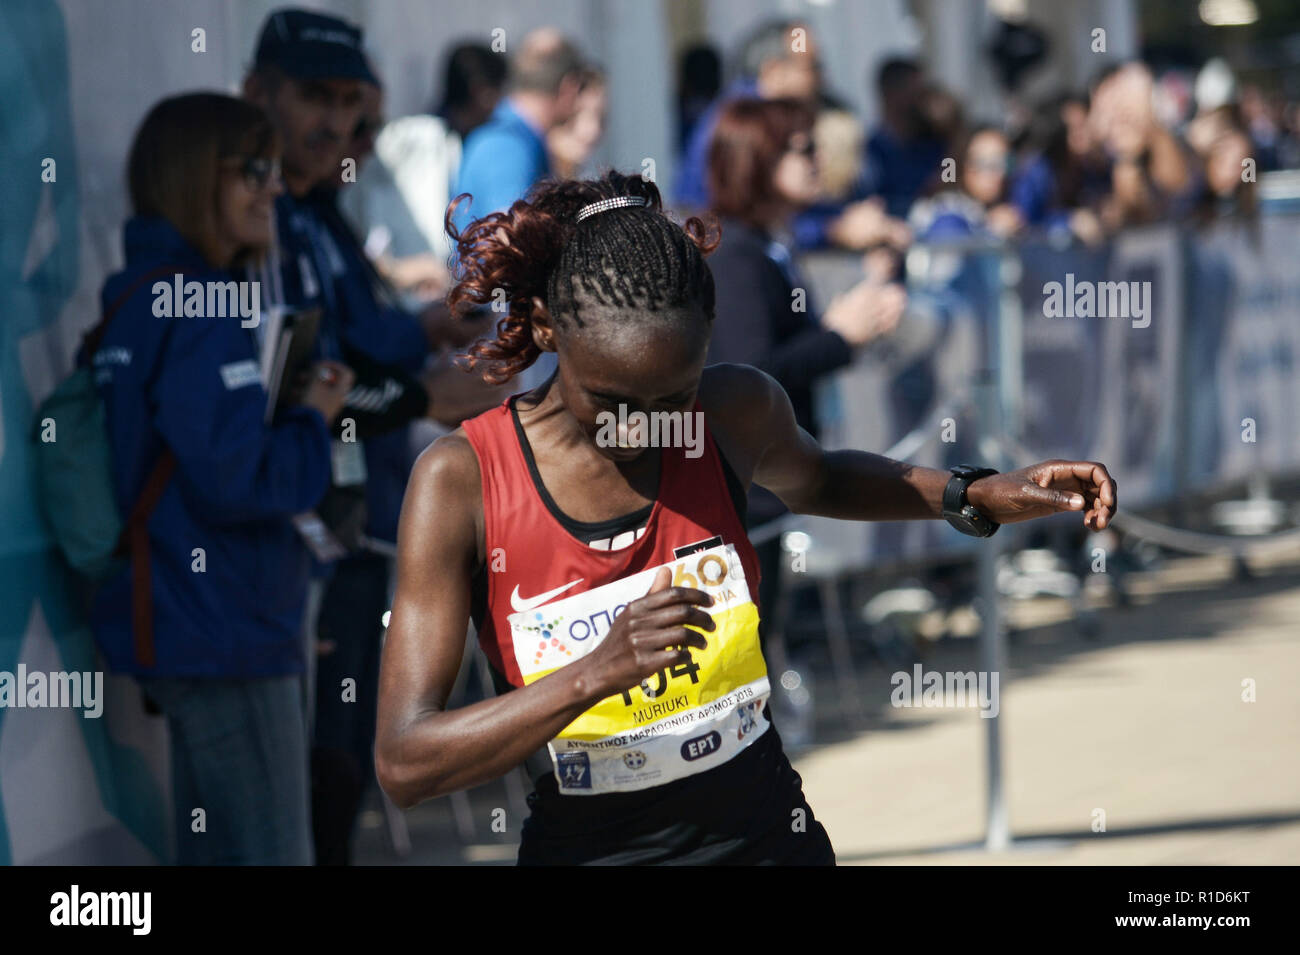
x=1145, y=724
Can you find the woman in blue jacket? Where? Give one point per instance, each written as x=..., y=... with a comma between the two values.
x=227, y=572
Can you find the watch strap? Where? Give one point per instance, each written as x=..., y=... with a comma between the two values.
x=955, y=501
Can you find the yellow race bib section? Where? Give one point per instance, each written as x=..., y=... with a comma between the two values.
x=683, y=720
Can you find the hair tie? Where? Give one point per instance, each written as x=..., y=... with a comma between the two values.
x=618, y=202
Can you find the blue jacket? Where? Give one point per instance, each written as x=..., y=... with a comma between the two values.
x=322, y=265
x=388, y=334
x=191, y=384
x=899, y=171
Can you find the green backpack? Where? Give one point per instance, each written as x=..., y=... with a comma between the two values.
x=74, y=475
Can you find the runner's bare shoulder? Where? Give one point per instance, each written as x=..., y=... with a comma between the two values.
x=738, y=402
x=446, y=490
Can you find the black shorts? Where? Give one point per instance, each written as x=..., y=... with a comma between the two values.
x=748, y=811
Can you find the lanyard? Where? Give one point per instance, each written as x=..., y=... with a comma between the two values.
x=314, y=242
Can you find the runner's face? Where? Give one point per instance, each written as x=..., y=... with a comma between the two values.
x=645, y=368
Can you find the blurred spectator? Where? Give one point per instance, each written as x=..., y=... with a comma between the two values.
x=1289, y=148
x=778, y=60
x=506, y=155
x=838, y=138
x=842, y=215
x=699, y=78
x=944, y=118
x=977, y=206
x=349, y=629
x=769, y=65
x=315, y=92
x=1208, y=125
x=761, y=171
x=315, y=116
x=471, y=87
x=1016, y=48
x=573, y=144
x=318, y=89
x=1065, y=174
x=1151, y=176
x=1262, y=118
x=400, y=198
x=1174, y=99
x=227, y=644
x=904, y=151
x=362, y=144
x=1226, y=193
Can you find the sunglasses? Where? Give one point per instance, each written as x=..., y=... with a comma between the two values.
x=258, y=172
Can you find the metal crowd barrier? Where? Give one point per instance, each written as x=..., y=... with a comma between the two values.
x=1188, y=389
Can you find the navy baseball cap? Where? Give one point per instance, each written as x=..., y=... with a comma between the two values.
x=312, y=46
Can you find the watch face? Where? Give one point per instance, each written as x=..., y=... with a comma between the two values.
x=960, y=521
x=970, y=521
x=966, y=525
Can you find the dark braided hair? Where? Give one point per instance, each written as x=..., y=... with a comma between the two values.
x=612, y=264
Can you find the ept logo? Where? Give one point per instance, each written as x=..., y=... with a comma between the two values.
x=710, y=742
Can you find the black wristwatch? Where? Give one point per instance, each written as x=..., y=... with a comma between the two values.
x=957, y=511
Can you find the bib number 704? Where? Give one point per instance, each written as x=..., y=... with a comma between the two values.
x=662, y=677
x=710, y=571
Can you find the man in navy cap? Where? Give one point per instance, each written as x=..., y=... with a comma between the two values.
x=308, y=74
x=311, y=76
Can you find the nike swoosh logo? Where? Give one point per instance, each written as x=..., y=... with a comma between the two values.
x=520, y=604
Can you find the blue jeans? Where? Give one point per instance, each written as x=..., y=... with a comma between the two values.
x=239, y=753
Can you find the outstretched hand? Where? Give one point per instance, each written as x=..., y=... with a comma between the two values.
x=1048, y=488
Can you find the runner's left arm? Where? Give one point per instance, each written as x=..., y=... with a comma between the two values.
x=758, y=420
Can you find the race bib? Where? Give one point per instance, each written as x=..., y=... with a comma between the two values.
x=687, y=718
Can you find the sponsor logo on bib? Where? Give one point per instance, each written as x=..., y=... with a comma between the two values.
x=685, y=719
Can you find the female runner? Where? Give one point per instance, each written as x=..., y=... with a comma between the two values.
x=604, y=562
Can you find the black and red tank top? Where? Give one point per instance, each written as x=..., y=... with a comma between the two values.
x=686, y=767
x=534, y=555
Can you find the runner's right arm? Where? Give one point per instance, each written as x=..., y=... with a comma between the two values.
x=422, y=749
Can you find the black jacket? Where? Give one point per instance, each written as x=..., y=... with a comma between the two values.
x=756, y=324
